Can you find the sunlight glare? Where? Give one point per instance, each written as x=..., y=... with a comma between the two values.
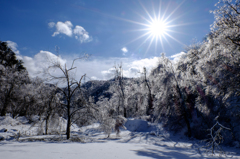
x=157, y=28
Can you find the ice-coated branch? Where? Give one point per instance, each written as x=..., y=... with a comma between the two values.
x=216, y=138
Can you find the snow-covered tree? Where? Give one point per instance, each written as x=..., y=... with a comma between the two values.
x=11, y=83
x=149, y=92
x=73, y=97
x=171, y=99
x=227, y=22
x=119, y=88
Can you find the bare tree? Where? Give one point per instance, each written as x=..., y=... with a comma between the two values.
x=51, y=103
x=213, y=144
x=71, y=87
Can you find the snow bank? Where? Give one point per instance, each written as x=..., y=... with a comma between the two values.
x=21, y=127
x=136, y=125
x=7, y=120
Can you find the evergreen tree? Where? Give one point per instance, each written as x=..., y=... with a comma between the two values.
x=8, y=57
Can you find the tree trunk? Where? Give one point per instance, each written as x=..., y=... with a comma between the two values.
x=4, y=109
x=188, y=124
x=183, y=107
x=150, y=104
x=184, y=112
x=68, y=123
x=3, y=112
x=46, y=125
x=68, y=128
x=125, y=112
x=150, y=100
x=7, y=101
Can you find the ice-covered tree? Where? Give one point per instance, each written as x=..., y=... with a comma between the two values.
x=73, y=98
x=49, y=104
x=119, y=88
x=12, y=75
x=11, y=84
x=227, y=22
x=171, y=99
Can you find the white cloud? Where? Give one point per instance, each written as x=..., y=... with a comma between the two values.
x=66, y=28
x=108, y=74
x=131, y=67
x=63, y=28
x=38, y=65
x=94, y=78
x=124, y=50
x=81, y=34
x=79, y=30
x=55, y=33
x=13, y=46
x=175, y=58
x=51, y=24
x=136, y=66
x=94, y=68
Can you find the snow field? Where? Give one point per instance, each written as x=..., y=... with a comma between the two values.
x=144, y=141
x=113, y=149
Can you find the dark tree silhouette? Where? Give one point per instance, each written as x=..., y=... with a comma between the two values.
x=8, y=57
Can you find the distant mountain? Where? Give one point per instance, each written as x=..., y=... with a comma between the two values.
x=98, y=88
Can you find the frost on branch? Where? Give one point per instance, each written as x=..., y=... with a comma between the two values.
x=213, y=144
x=227, y=21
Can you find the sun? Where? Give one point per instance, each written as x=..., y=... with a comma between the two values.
x=157, y=28
x=155, y=25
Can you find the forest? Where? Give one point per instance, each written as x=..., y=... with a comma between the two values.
x=197, y=96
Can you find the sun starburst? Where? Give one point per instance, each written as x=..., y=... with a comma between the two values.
x=157, y=27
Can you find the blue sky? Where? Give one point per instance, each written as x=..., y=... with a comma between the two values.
x=112, y=31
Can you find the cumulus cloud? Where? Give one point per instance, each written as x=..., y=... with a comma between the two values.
x=108, y=74
x=81, y=34
x=94, y=68
x=63, y=28
x=66, y=28
x=175, y=58
x=136, y=66
x=79, y=30
x=132, y=67
x=37, y=66
x=124, y=50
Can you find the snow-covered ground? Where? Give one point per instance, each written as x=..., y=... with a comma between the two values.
x=90, y=143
